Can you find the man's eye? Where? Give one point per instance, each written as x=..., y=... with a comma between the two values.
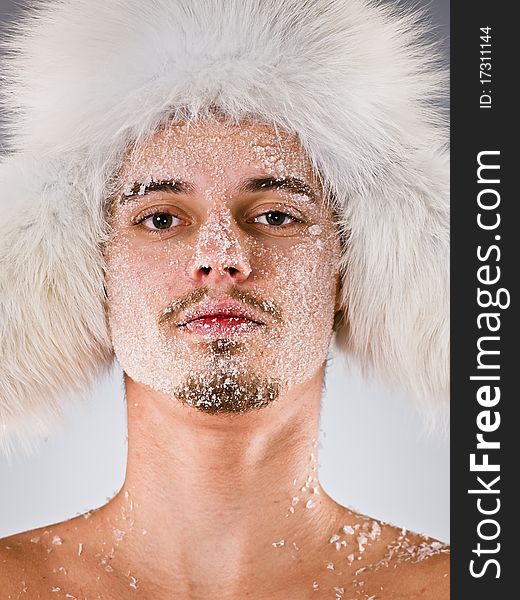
x=160, y=220
x=275, y=218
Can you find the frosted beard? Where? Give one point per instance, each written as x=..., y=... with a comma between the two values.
x=292, y=288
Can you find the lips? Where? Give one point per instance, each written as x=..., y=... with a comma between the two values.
x=220, y=318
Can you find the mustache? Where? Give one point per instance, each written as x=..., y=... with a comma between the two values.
x=175, y=308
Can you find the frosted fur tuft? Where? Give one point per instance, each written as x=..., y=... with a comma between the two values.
x=357, y=80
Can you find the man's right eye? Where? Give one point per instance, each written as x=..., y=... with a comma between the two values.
x=158, y=221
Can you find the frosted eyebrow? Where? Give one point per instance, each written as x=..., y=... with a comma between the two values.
x=170, y=186
x=293, y=185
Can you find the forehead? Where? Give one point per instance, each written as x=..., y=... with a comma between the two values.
x=218, y=149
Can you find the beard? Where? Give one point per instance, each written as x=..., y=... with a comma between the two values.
x=226, y=393
x=226, y=387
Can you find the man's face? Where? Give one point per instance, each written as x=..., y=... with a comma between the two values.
x=222, y=267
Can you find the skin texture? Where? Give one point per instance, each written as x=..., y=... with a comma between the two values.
x=221, y=499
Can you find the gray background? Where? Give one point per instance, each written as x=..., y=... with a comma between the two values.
x=375, y=455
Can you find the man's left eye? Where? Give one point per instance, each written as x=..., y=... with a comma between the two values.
x=275, y=218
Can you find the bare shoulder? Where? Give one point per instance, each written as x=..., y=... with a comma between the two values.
x=389, y=563
x=21, y=562
x=32, y=563
x=410, y=565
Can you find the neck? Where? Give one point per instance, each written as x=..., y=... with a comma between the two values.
x=222, y=496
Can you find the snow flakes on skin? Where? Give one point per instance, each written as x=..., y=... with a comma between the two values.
x=375, y=532
x=355, y=539
x=122, y=524
x=403, y=549
x=362, y=541
x=339, y=592
x=65, y=575
x=341, y=567
x=292, y=274
x=119, y=534
x=311, y=488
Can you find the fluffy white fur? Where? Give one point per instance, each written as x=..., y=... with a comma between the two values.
x=356, y=80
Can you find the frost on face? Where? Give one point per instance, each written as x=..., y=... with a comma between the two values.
x=288, y=281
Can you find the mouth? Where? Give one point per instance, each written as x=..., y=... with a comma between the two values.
x=220, y=319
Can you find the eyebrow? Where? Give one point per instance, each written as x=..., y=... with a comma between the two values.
x=293, y=185
x=164, y=185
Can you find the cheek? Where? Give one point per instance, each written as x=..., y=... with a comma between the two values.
x=140, y=283
x=301, y=280
x=305, y=278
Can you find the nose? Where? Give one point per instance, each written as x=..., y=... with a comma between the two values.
x=219, y=254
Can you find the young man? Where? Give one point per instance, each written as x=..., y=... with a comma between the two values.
x=212, y=226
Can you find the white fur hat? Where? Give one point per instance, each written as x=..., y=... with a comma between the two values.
x=357, y=80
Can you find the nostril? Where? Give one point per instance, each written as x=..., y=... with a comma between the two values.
x=235, y=273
